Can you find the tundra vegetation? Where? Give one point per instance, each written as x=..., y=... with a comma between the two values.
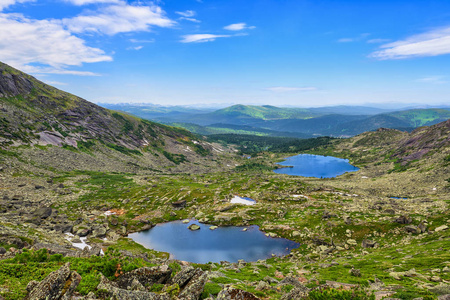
x=382, y=231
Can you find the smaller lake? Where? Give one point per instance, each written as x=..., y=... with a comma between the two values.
x=308, y=165
x=205, y=245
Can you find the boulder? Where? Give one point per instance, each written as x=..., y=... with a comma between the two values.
x=183, y=277
x=368, y=244
x=194, y=288
x=111, y=290
x=296, y=293
x=441, y=228
x=43, y=212
x=403, y=220
x=194, y=227
x=179, y=204
x=59, y=284
x=146, y=276
x=412, y=229
x=99, y=232
x=230, y=293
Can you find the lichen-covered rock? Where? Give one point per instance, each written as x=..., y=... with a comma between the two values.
x=368, y=244
x=296, y=294
x=183, y=277
x=111, y=290
x=194, y=227
x=58, y=285
x=194, y=287
x=236, y=294
x=146, y=276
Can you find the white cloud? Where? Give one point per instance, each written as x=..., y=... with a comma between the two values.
x=432, y=43
x=119, y=18
x=190, y=19
x=282, y=89
x=142, y=41
x=433, y=80
x=201, y=38
x=85, y=2
x=25, y=43
x=5, y=3
x=238, y=27
x=135, y=48
x=186, y=14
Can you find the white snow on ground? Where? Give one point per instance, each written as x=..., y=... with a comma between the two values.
x=239, y=200
x=81, y=245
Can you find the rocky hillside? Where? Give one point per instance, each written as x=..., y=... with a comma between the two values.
x=34, y=113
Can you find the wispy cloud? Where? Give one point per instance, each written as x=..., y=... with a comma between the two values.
x=433, y=80
x=283, y=89
x=201, y=38
x=86, y=2
x=186, y=14
x=119, y=18
x=135, y=48
x=238, y=27
x=361, y=37
x=432, y=43
x=190, y=19
x=24, y=42
x=142, y=41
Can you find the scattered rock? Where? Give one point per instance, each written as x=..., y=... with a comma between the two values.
x=213, y=227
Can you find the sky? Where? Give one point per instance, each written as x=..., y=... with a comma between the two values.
x=304, y=53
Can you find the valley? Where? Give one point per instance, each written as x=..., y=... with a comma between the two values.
x=67, y=165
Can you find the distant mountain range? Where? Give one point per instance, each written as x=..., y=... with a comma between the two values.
x=338, y=121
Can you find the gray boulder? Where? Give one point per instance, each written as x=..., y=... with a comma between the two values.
x=368, y=244
x=43, y=212
x=194, y=288
x=111, y=290
x=59, y=285
x=146, y=276
x=230, y=293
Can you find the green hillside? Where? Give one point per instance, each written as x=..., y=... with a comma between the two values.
x=422, y=117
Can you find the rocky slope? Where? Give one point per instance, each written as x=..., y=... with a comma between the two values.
x=87, y=136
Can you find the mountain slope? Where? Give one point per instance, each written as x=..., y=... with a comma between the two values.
x=33, y=113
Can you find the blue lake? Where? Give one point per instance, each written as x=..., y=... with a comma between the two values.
x=308, y=165
x=206, y=245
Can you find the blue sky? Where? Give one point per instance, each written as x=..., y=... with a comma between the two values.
x=278, y=52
